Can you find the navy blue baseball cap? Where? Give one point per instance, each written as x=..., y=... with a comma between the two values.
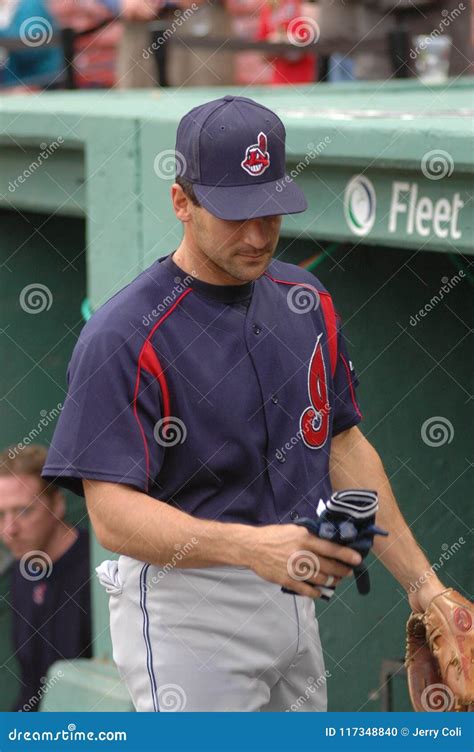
x=233, y=151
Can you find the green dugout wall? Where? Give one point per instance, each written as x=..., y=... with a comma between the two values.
x=84, y=207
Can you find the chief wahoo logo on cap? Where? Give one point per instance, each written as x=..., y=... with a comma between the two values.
x=257, y=158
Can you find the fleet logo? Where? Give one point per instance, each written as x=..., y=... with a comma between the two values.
x=257, y=158
x=360, y=205
x=421, y=215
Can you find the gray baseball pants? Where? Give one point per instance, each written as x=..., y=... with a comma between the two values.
x=212, y=639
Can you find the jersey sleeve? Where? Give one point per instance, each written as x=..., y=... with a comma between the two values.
x=106, y=428
x=347, y=412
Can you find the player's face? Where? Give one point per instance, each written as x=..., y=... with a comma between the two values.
x=28, y=518
x=241, y=250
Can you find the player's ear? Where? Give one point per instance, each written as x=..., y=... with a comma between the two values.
x=181, y=203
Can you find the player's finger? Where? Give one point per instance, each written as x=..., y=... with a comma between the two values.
x=333, y=550
x=328, y=580
x=303, y=588
x=333, y=567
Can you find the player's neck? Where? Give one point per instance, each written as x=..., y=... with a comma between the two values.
x=200, y=266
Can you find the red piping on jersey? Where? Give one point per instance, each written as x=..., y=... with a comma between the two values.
x=351, y=388
x=148, y=360
x=331, y=328
x=329, y=315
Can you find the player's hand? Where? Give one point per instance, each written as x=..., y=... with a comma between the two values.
x=140, y=10
x=293, y=557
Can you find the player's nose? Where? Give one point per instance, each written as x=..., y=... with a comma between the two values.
x=9, y=524
x=257, y=234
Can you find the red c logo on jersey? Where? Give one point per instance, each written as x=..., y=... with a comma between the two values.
x=314, y=421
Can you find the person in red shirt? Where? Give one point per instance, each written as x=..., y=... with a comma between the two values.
x=283, y=21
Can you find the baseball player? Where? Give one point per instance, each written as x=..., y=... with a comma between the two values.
x=211, y=406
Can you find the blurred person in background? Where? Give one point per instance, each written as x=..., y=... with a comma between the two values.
x=49, y=593
x=289, y=21
x=136, y=66
x=95, y=54
x=33, y=66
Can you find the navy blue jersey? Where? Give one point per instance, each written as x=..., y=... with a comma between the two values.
x=220, y=400
x=51, y=619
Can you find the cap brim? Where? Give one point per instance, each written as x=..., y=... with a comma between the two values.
x=243, y=202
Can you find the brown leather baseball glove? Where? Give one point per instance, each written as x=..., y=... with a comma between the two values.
x=440, y=655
